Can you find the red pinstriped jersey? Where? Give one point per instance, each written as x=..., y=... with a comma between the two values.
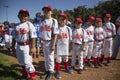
x=109, y=29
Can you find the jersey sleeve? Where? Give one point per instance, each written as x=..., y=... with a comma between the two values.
x=32, y=31
x=84, y=36
x=55, y=28
x=114, y=29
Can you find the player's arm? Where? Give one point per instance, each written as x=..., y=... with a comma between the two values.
x=32, y=48
x=84, y=46
x=55, y=33
x=33, y=37
x=54, y=40
x=13, y=44
x=84, y=40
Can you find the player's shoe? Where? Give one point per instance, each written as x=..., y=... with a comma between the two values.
x=69, y=71
x=80, y=71
x=99, y=64
x=44, y=75
x=49, y=76
x=108, y=63
x=90, y=64
x=96, y=65
x=85, y=66
x=57, y=75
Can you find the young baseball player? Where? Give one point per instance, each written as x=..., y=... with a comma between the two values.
x=99, y=37
x=116, y=40
x=7, y=35
x=25, y=35
x=110, y=30
x=48, y=36
x=63, y=40
x=37, y=25
x=89, y=28
x=78, y=44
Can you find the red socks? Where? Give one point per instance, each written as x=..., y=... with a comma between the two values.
x=57, y=65
x=66, y=65
x=25, y=73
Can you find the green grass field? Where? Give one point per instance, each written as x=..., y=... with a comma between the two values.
x=8, y=69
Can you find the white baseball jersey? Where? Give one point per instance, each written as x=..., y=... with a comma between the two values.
x=99, y=35
x=47, y=28
x=79, y=36
x=90, y=32
x=64, y=36
x=24, y=31
x=109, y=29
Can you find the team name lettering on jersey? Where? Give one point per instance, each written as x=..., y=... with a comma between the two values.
x=21, y=31
x=99, y=33
x=108, y=30
x=45, y=28
x=89, y=32
x=77, y=36
x=63, y=35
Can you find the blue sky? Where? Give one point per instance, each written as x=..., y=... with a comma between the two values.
x=35, y=6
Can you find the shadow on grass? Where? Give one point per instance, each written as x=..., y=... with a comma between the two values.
x=12, y=71
x=6, y=52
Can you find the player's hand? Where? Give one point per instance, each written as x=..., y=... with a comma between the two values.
x=33, y=50
x=53, y=47
x=83, y=49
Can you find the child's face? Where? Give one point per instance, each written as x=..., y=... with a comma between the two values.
x=107, y=19
x=78, y=25
x=62, y=21
x=90, y=22
x=47, y=12
x=23, y=17
x=98, y=24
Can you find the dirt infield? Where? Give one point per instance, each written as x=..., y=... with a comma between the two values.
x=111, y=72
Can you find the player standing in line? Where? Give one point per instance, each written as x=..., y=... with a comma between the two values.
x=89, y=28
x=99, y=36
x=78, y=44
x=7, y=35
x=63, y=40
x=37, y=25
x=116, y=40
x=25, y=35
x=48, y=36
x=110, y=33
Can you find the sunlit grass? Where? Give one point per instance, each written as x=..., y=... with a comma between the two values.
x=8, y=69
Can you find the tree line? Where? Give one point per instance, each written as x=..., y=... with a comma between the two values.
x=110, y=6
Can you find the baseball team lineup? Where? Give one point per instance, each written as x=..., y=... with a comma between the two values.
x=91, y=44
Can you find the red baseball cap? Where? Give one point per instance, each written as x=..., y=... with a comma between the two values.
x=91, y=18
x=99, y=19
x=63, y=15
x=108, y=15
x=24, y=10
x=78, y=20
x=48, y=7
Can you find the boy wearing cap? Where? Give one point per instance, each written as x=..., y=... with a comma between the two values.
x=99, y=36
x=25, y=36
x=110, y=30
x=89, y=28
x=63, y=40
x=48, y=36
x=78, y=44
x=116, y=40
x=8, y=35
